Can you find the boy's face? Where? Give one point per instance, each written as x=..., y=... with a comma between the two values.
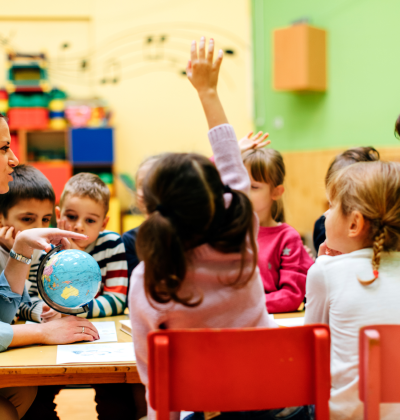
x=28, y=214
x=82, y=215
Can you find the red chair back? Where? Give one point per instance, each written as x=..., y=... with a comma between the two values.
x=239, y=369
x=379, y=367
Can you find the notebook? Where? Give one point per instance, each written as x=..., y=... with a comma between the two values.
x=126, y=326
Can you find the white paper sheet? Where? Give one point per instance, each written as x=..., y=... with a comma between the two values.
x=107, y=332
x=95, y=353
x=289, y=322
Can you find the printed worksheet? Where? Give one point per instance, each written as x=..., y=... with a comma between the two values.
x=107, y=332
x=95, y=353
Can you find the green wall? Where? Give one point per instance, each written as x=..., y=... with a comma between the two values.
x=363, y=97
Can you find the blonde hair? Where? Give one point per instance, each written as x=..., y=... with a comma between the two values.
x=373, y=189
x=88, y=185
x=266, y=165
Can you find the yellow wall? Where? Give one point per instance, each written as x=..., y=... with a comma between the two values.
x=155, y=108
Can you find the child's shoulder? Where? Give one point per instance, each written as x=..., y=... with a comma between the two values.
x=108, y=235
x=339, y=267
x=288, y=233
x=107, y=240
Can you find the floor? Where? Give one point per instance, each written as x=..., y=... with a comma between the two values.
x=76, y=404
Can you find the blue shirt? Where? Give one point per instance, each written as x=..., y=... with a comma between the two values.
x=9, y=303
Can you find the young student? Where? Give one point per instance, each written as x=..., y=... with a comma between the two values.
x=358, y=154
x=28, y=204
x=282, y=259
x=197, y=246
x=83, y=208
x=361, y=286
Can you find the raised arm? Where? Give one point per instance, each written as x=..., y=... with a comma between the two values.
x=203, y=73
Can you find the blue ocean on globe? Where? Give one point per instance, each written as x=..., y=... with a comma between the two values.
x=71, y=278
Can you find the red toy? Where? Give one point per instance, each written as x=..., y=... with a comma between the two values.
x=239, y=369
x=28, y=118
x=57, y=172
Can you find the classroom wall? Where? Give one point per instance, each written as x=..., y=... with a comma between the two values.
x=155, y=108
x=358, y=109
x=361, y=103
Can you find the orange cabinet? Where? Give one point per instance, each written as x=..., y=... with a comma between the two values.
x=300, y=59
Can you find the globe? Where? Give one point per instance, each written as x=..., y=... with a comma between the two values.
x=68, y=280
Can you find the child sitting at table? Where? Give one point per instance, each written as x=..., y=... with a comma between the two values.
x=358, y=154
x=83, y=209
x=28, y=204
x=361, y=286
x=282, y=258
x=197, y=246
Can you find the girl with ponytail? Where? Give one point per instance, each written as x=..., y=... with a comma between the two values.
x=358, y=282
x=197, y=246
x=282, y=258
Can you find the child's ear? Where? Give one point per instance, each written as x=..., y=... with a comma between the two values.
x=277, y=192
x=58, y=213
x=357, y=223
x=103, y=226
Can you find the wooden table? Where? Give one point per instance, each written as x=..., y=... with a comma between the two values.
x=36, y=365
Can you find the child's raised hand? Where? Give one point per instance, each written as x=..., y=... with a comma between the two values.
x=7, y=236
x=254, y=142
x=201, y=70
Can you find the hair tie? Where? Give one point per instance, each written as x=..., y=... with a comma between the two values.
x=227, y=189
x=163, y=210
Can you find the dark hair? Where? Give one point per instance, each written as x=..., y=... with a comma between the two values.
x=358, y=154
x=184, y=197
x=397, y=128
x=28, y=183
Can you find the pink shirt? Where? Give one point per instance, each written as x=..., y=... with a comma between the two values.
x=283, y=264
x=222, y=306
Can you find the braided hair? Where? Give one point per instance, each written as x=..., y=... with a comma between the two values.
x=373, y=189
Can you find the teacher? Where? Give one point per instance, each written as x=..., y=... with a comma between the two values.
x=14, y=402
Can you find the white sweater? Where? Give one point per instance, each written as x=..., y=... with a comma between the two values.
x=336, y=297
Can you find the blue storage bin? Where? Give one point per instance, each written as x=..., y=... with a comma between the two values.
x=91, y=146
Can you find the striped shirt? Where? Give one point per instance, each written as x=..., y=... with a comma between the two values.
x=109, y=252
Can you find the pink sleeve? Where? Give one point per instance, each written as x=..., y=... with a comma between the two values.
x=228, y=159
x=295, y=263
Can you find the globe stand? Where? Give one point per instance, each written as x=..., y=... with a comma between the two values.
x=53, y=305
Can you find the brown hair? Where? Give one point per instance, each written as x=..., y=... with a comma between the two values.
x=373, y=189
x=266, y=165
x=88, y=185
x=348, y=157
x=141, y=173
x=184, y=197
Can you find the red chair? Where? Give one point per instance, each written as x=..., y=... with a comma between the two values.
x=239, y=369
x=379, y=367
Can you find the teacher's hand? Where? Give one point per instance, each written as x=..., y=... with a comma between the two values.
x=68, y=330
x=43, y=238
